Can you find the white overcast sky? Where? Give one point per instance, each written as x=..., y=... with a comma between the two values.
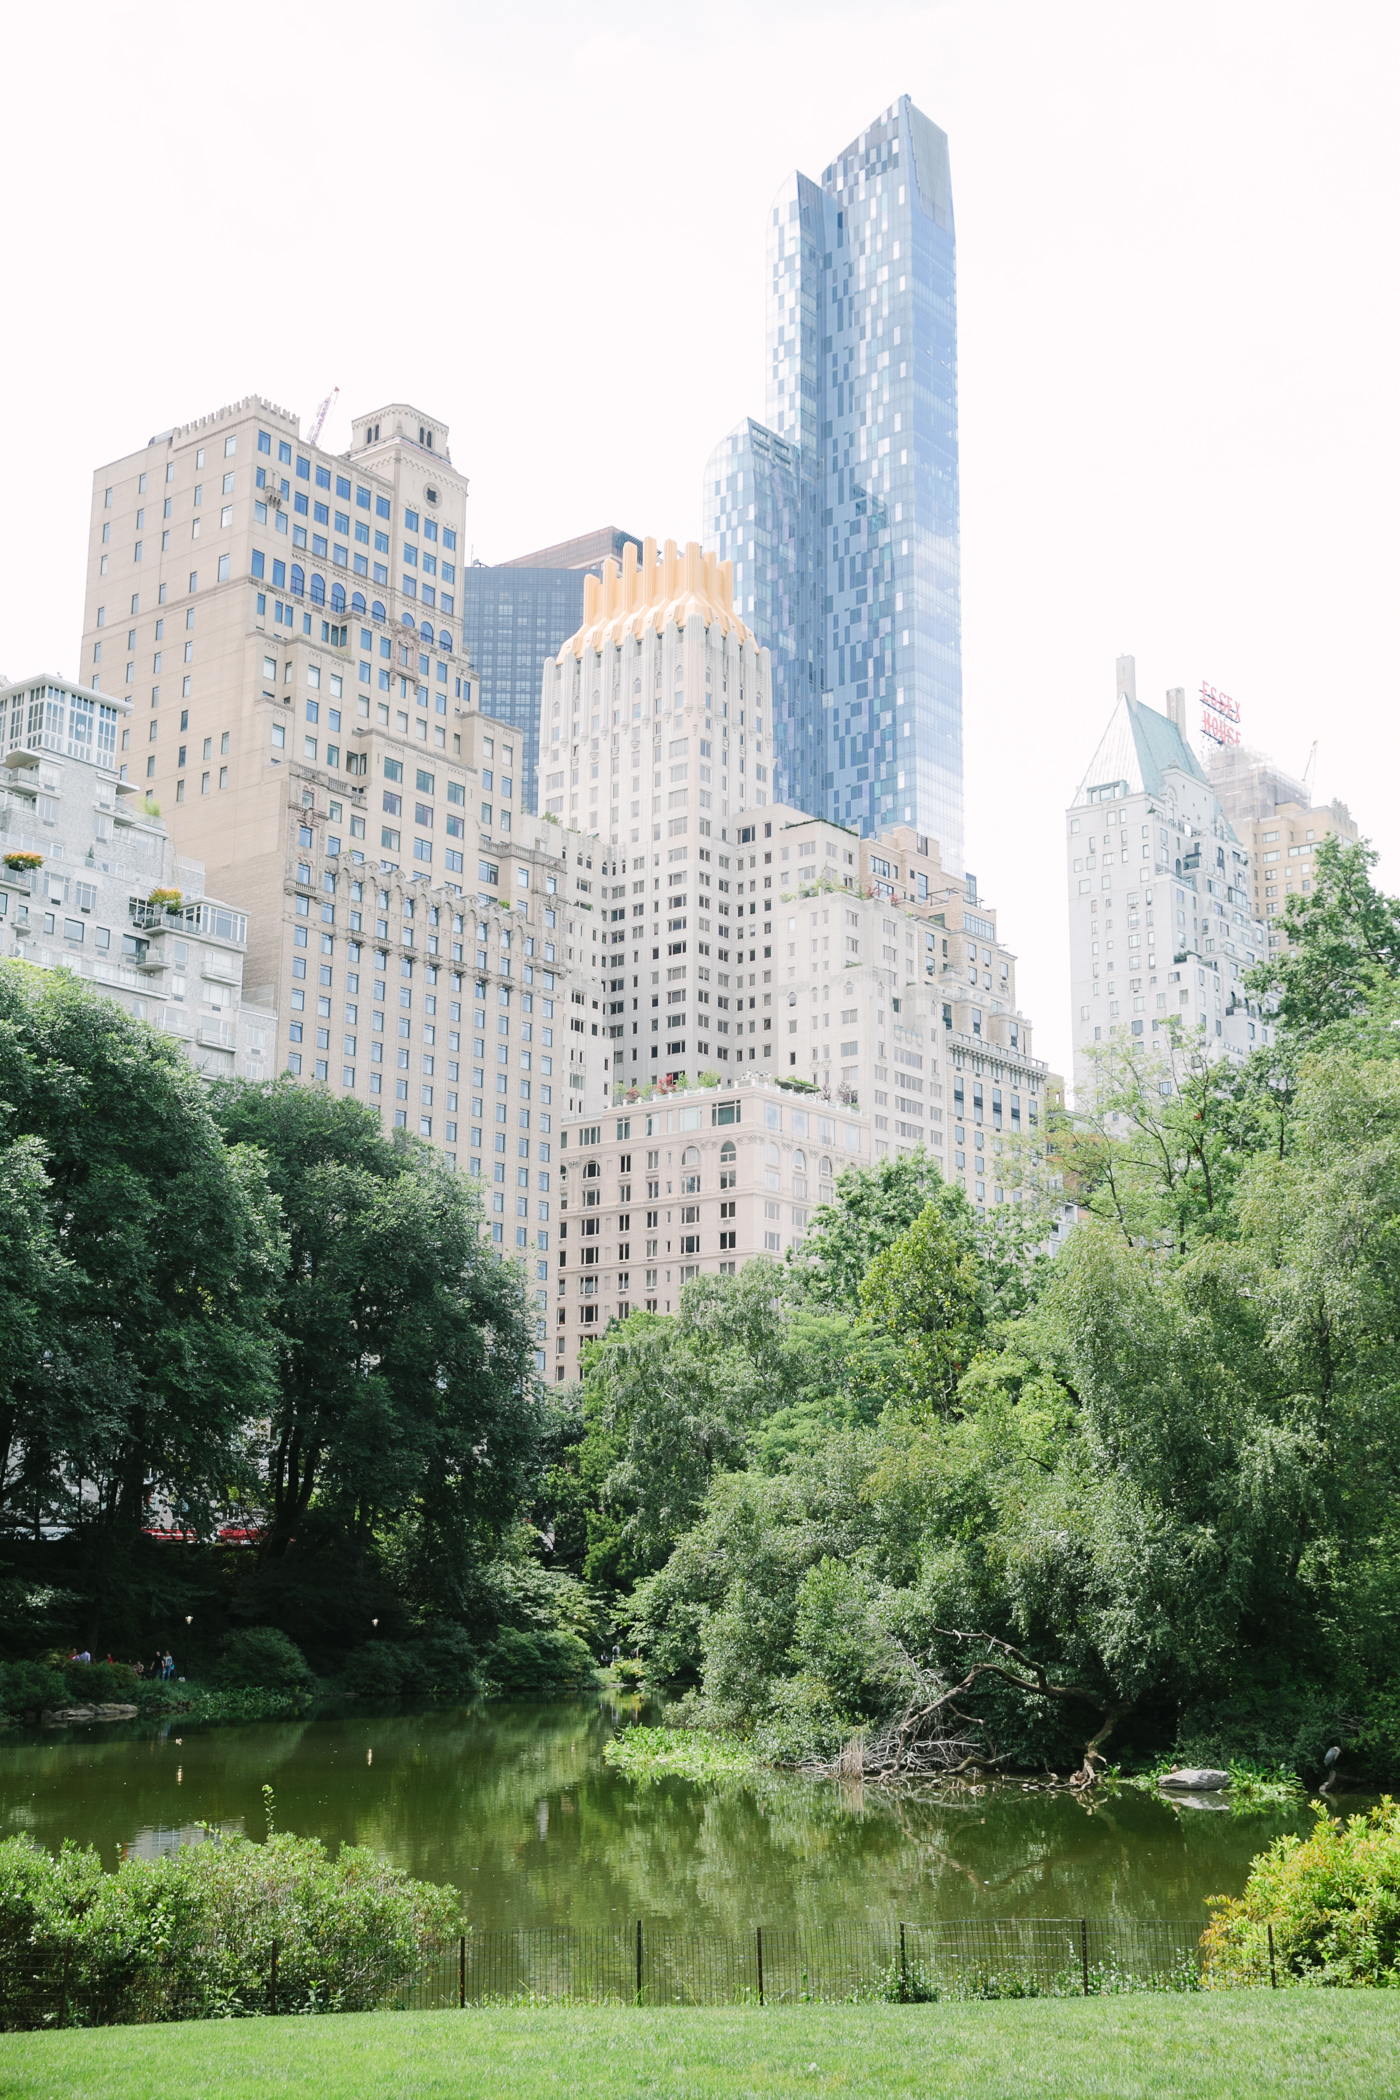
x=1177, y=293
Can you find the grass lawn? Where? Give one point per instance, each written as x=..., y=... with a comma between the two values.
x=1251, y=2044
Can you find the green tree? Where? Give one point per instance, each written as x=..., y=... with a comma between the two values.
x=141, y=1350
x=404, y=1372
x=873, y=1206
x=924, y=1296
x=670, y=1401
x=1344, y=951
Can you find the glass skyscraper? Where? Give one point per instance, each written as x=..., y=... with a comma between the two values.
x=861, y=374
x=761, y=514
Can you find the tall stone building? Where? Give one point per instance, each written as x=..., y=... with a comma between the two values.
x=740, y=935
x=1162, y=921
x=654, y=721
x=281, y=623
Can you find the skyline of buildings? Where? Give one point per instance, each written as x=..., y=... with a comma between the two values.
x=732, y=745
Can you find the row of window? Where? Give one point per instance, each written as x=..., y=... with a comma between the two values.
x=294, y=580
x=321, y=475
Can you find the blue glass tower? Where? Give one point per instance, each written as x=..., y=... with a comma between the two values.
x=761, y=514
x=862, y=382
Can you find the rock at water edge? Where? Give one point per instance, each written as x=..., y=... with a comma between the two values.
x=1195, y=1779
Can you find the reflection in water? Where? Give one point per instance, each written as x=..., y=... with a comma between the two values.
x=514, y=1806
x=161, y=1841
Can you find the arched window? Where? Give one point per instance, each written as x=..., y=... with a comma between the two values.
x=376, y=611
x=799, y=1162
x=636, y=685
x=771, y=1156
x=728, y=1170
x=318, y=589
x=337, y=597
x=691, y=1156
x=426, y=630
x=690, y=1171
x=298, y=582
x=357, y=603
x=825, y=1168
x=409, y=621
x=445, y=640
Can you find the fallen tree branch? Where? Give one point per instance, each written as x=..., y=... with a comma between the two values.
x=930, y=1737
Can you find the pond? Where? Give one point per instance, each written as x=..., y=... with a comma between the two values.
x=514, y=1805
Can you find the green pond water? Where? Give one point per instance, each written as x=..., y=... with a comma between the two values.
x=514, y=1805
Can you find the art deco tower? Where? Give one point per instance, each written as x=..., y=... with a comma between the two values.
x=655, y=723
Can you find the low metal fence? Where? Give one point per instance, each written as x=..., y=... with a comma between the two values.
x=636, y=1964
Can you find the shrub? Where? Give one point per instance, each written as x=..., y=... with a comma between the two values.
x=98, y=1683
x=1377, y=1739
x=194, y=1932
x=264, y=1656
x=446, y=1659
x=803, y=1726
x=27, y=1689
x=1332, y=1898
x=541, y=1664
x=630, y=1669
x=376, y=1670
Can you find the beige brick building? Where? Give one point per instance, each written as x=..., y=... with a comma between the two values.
x=1280, y=821
x=280, y=623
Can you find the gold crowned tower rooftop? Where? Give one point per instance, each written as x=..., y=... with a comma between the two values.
x=672, y=586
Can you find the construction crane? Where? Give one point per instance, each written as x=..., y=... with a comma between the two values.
x=1308, y=781
x=322, y=412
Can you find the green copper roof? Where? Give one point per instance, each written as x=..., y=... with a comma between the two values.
x=1138, y=748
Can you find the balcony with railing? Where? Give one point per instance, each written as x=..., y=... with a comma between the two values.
x=214, y=921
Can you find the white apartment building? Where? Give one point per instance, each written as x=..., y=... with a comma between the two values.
x=111, y=902
x=1162, y=923
x=654, y=722
x=691, y=1182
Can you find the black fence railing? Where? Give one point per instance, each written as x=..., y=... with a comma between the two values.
x=60, y=1986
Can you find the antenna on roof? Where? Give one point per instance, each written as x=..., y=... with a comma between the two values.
x=322, y=412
